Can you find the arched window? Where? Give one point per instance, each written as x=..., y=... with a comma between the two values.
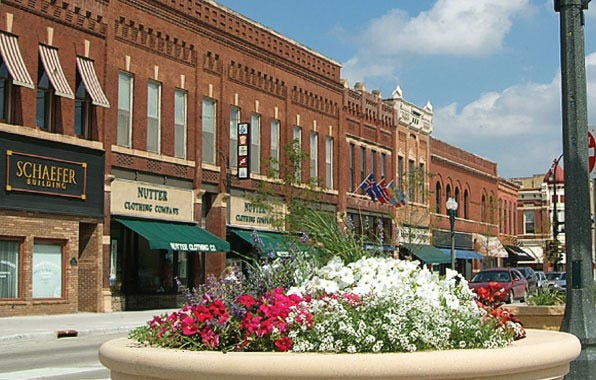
x=466, y=205
x=483, y=209
x=438, y=199
x=457, y=212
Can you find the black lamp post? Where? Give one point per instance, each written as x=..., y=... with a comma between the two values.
x=580, y=314
x=451, y=209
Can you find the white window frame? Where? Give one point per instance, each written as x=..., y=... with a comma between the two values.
x=209, y=147
x=329, y=162
x=235, y=118
x=125, y=102
x=180, y=122
x=154, y=117
x=275, y=131
x=255, y=143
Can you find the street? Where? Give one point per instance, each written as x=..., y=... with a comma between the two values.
x=74, y=358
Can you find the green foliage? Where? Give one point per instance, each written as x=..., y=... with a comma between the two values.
x=547, y=297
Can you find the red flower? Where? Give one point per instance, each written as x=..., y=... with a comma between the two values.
x=246, y=300
x=284, y=343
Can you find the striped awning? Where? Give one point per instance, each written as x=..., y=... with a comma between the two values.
x=11, y=55
x=87, y=72
x=51, y=63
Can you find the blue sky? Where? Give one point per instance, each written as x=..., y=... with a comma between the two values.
x=490, y=68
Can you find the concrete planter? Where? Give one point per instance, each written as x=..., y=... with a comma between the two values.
x=541, y=355
x=539, y=317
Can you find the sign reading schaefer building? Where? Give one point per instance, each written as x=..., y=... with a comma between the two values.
x=151, y=201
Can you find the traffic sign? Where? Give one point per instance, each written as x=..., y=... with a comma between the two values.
x=591, y=153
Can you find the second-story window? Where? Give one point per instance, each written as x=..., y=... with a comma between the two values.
x=529, y=222
x=125, y=101
x=82, y=123
x=209, y=134
x=329, y=163
x=275, y=130
x=297, y=139
x=13, y=74
x=5, y=93
x=234, y=121
x=314, y=157
x=352, y=160
x=45, y=103
x=153, y=116
x=52, y=83
x=180, y=118
x=255, y=143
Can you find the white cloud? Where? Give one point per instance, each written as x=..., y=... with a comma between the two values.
x=521, y=124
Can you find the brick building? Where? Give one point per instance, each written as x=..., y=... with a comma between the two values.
x=474, y=184
x=128, y=173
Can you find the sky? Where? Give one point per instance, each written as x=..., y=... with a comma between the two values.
x=491, y=69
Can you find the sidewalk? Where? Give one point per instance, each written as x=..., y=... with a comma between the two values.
x=53, y=326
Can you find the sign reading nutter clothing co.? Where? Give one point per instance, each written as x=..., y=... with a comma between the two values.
x=51, y=176
x=39, y=174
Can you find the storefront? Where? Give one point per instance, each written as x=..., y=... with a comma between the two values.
x=51, y=208
x=155, y=245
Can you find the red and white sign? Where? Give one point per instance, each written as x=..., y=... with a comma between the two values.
x=591, y=153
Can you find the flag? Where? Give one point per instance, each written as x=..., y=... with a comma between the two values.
x=397, y=194
x=390, y=191
x=378, y=192
x=367, y=186
x=383, y=187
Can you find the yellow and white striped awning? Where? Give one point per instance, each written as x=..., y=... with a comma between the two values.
x=51, y=63
x=11, y=55
x=87, y=72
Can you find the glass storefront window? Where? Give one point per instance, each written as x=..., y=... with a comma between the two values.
x=9, y=269
x=47, y=270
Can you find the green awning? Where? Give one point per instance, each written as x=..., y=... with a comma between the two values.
x=427, y=253
x=175, y=236
x=270, y=242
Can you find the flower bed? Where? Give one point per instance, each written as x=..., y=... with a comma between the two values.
x=546, y=355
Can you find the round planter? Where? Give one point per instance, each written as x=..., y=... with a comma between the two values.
x=539, y=317
x=541, y=355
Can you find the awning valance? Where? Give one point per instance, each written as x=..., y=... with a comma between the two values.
x=53, y=68
x=463, y=254
x=518, y=254
x=87, y=72
x=427, y=253
x=175, y=236
x=269, y=242
x=13, y=59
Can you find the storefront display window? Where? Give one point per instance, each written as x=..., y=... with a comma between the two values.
x=9, y=269
x=47, y=270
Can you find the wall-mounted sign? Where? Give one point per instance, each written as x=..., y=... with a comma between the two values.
x=45, y=175
x=243, y=130
x=244, y=213
x=148, y=200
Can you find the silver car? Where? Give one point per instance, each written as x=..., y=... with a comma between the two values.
x=542, y=282
x=557, y=280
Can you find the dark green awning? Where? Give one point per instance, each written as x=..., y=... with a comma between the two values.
x=175, y=236
x=270, y=242
x=427, y=253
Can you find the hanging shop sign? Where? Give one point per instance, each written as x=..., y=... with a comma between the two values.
x=148, y=200
x=243, y=130
x=46, y=175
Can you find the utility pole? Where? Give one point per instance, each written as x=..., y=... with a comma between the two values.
x=580, y=314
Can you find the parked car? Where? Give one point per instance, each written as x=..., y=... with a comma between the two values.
x=531, y=277
x=557, y=280
x=542, y=280
x=514, y=283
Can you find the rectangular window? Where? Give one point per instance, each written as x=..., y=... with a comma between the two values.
x=411, y=181
x=255, y=143
x=529, y=222
x=400, y=173
x=373, y=163
x=82, y=122
x=234, y=121
x=180, y=117
x=352, y=160
x=209, y=141
x=297, y=143
x=329, y=162
x=153, y=116
x=9, y=269
x=275, y=130
x=383, y=165
x=125, y=86
x=422, y=182
x=47, y=271
x=362, y=163
x=44, y=103
x=314, y=157
x=5, y=93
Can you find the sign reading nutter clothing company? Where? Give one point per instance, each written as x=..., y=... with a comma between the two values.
x=39, y=174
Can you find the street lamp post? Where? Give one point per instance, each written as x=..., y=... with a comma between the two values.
x=580, y=314
x=556, y=223
x=451, y=209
